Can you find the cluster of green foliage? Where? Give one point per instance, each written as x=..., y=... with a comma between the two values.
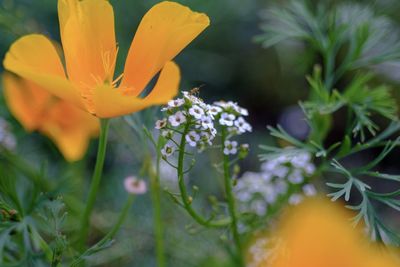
x=351, y=42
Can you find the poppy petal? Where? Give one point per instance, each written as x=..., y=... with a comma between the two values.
x=25, y=102
x=35, y=58
x=111, y=102
x=164, y=31
x=70, y=129
x=88, y=39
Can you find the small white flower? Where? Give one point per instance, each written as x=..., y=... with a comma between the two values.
x=196, y=111
x=220, y=103
x=213, y=132
x=135, y=186
x=300, y=160
x=214, y=110
x=259, y=206
x=243, y=196
x=230, y=147
x=177, y=119
x=295, y=199
x=232, y=106
x=7, y=139
x=9, y=142
x=206, y=138
x=161, y=124
x=191, y=98
x=281, y=187
x=168, y=149
x=266, y=176
x=233, y=130
x=176, y=102
x=223, y=104
x=245, y=147
x=186, y=94
x=270, y=195
x=227, y=119
x=242, y=111
x=309, y=169
x=242, y=125
x=202, y=105
x=280, y=171
x=192, y=138
x=309, y=190
x=296, y=177
x=206, y=122
x=167, y=134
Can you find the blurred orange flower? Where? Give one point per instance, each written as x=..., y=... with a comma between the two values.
x=69, y=127
x=318, y=233
x=90, y=51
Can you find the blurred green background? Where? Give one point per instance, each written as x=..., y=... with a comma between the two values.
x=228, y=65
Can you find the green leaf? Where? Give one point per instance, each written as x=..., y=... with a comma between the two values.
x=280, y=133
x=345, y=147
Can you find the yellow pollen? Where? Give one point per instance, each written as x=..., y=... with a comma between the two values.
x=109, y=59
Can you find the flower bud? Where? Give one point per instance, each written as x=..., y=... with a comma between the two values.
x=135, y=186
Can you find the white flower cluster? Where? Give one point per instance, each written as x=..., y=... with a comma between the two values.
x=202, y=121
x=7, y=139
x=259, y=252
x=263, y=251
x=281, y=177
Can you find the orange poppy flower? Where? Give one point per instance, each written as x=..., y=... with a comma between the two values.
x=90, y=51
x=318, y=233
x=68, y=126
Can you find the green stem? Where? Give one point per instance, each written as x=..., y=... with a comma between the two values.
x=231, y=202
x=48, y=253
x=329, y=69
x=120, y=220
x=95, y=184
x=110, y=235
x=157, y=216
x=186, y=199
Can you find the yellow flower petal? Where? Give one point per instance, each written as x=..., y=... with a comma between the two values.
x=111, y=102
x=34, y=58
x=164, y=31
x=88, y=39
x=25, y=101
x=70, y=128
x=318, y=233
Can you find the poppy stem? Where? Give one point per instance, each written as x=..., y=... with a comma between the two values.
x=95, y=184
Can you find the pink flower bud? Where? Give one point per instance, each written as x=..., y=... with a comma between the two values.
x=135, y=186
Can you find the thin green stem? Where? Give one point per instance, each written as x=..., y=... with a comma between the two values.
x=329, y=69
x=36, y=237
x=95, y=183
x=157, y=216
x=120, y=220
x=110, y=235
x=231, y=202
x=186, y=199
